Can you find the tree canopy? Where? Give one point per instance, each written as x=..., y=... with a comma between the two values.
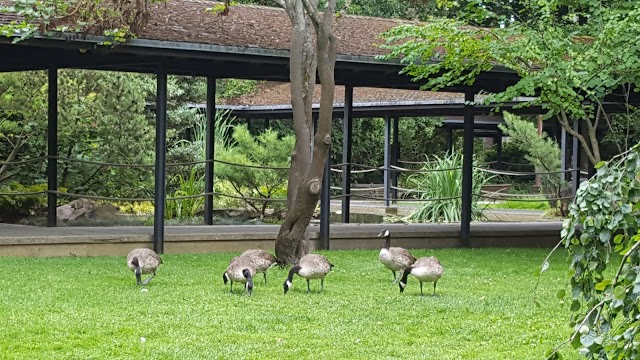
x=570, y=56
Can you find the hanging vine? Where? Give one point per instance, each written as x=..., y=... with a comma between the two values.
x=118, y=20
x=604, y=261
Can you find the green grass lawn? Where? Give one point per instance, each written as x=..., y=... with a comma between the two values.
x=90, y=308
x=520, y=205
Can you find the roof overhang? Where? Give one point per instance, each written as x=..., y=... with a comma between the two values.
x=180, y=58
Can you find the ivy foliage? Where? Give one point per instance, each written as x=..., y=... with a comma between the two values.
x=604, y=261
x=119, y=20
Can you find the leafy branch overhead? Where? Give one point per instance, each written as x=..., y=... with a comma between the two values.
x=119, y=20
x=567, y=62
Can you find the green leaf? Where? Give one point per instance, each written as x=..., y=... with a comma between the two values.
x=560, y=294
x=602, y=285
x=575, y=306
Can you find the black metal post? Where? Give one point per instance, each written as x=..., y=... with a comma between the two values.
x=467, y=170
x=499, y=150
x=563, y=152
x=210, y=149
x=52, y=146
x=387, y=160
x=325, y=204
x=347, y=128
x=575, y=158
x=395, y=159
x=161, y=151
x=449, y=140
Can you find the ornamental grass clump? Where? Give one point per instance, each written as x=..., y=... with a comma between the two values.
x=439, y=184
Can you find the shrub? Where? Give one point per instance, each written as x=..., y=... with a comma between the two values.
x=436, y=182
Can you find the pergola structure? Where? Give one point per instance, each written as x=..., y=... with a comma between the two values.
x=182, y=38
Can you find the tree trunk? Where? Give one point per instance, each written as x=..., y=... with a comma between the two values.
x=302, y=70
x=591, y=147
x=291, y=243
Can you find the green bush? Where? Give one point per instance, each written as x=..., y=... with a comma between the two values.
x=16, y=206
x=434, y=182
x=265, y=150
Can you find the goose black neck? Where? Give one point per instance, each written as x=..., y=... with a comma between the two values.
x=405, y=275
x=294, y=270
x=387, y=242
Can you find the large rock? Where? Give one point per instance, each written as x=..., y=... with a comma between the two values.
x=64, y=212
x=104, y=212
x=83, y=203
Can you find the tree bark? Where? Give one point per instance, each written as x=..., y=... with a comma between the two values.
x=292, y=243
x=302, y=70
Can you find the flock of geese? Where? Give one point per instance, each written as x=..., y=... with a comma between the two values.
x=243, y=268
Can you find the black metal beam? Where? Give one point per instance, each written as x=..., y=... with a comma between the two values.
x=387, y=160
x=467, y=170
x=347, y=129
x=52, y=146
x=209, y=149
x=161, y=152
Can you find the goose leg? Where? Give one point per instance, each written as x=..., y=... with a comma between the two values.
x=231, y=287
x=265, y=278
x=434, y=288
x=308, y=287
x=149, y=279
x=421, y=293
x=395, y=278
x=322, y=285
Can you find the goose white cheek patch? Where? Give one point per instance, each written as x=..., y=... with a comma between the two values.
x=289, y=284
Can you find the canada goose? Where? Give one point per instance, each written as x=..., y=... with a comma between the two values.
x=240, y=269
x=311, y=266
x=143, y=261
x=262, y=261
x=425, y=269
x=394, y=258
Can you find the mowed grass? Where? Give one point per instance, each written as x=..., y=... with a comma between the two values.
x=90, y=308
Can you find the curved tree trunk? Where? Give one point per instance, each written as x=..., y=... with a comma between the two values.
x=306, y=174
x=302, y=70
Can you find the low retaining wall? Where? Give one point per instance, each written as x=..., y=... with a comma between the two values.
x=43, y=242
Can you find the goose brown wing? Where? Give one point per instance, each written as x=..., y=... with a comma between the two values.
x=403, y=255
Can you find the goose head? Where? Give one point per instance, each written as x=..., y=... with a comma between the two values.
x=249, y=285
x=384, y=233
x=288, y=283
x=225, y=278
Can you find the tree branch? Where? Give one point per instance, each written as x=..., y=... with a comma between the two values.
x=565, y=123
x=312, y=12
